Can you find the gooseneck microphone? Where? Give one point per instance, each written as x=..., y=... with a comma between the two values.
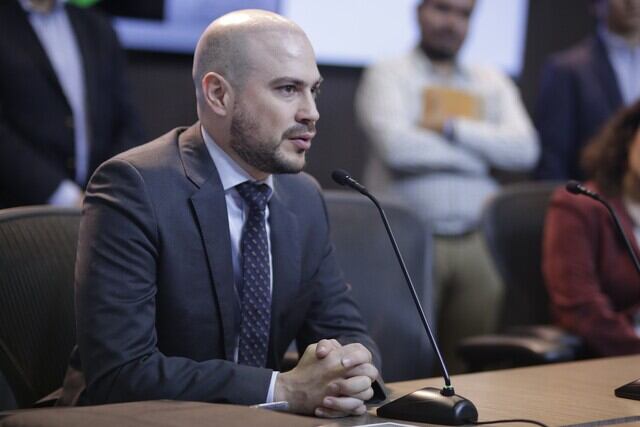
x=427, y=405
x=574, y=187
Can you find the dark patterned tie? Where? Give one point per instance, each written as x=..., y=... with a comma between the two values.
x=255, y=289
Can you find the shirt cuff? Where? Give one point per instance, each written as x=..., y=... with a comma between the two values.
x=68, y=193
x=272, y=387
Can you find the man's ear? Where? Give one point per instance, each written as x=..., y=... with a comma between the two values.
x=217, y=93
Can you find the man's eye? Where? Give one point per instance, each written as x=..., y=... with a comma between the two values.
x=288, y=89
x=315, y=91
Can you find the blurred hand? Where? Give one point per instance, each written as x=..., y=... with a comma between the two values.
x=435, y=122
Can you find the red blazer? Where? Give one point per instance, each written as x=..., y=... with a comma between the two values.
x=593, y=286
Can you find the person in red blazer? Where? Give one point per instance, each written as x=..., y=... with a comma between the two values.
x=593, y=285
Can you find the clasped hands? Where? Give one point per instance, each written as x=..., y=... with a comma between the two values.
x=330, y=380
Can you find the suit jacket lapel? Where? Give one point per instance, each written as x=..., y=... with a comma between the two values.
x=210, y=209
x=286, y=256
x=28, y=41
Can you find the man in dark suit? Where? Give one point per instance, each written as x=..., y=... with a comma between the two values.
x=64, y=103
x=204, y=253
x=583, y=86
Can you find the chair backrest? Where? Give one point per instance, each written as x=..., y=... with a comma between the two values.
x=369, y=264
x=512, y=224
x=37, y=326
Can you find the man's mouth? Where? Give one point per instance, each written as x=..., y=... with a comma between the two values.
x=302, y=141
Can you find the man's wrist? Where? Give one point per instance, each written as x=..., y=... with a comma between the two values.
x=281, y=387
x=288, y=389
x=271, y=402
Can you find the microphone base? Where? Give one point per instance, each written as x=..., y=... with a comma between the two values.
x=429, y=405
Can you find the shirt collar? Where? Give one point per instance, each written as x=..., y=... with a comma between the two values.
x=28, y=7
x=231, y=174
x=427, y=64
x=613, y=41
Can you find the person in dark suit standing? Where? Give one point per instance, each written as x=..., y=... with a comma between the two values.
x=584, y=86
x=64, y=104
x=205, y=252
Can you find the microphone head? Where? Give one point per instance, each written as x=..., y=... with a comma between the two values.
x=574, y=187
x=340, y=176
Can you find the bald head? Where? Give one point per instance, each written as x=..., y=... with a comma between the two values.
x=224, y=46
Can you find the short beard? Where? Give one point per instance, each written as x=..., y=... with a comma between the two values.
x=437, y=55
x=262, y=155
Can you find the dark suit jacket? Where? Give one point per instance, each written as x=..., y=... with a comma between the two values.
x=577, y=94
x=36, y=126
x=157, y=312
x=593, y=285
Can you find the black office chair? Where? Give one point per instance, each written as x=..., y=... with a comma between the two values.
x=369, y=264
x=37, y=329
x=512, y=225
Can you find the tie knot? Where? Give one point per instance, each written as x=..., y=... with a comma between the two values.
x=256, y=195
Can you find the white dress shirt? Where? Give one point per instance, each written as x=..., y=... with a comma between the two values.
x=625, y=60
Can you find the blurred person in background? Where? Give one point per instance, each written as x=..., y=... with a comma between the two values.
x=64, y=104
x=585, y=85
x=593, y=285
x=437, y=127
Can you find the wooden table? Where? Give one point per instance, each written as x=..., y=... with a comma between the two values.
x=559, y=394
x=577, y=393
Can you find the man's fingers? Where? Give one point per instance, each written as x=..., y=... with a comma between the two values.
x=349, y=405
x=364, y=369
x=352, y=386
x=329, y=413
x=355, y=354
x=333, y=389
x=324, y=347
x=337, y=377
x=365, y=395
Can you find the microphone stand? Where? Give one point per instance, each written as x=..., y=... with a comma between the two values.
x=429, y=404
x=574, y=187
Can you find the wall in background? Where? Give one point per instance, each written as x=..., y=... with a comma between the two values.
x=352, y=37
